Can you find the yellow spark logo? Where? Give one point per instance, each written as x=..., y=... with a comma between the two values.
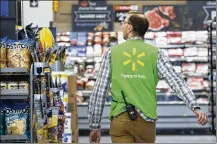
x=137, y=61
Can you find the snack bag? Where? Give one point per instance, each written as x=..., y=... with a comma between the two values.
x=17, y=119
x=3, y=57
x=19, y=53
x=52, y=117
x=46, y=38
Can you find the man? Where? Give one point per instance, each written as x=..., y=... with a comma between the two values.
x=133, y=68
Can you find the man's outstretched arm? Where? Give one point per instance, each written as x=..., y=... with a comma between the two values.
x=167, y=72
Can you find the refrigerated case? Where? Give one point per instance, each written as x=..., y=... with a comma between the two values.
x=84, y=55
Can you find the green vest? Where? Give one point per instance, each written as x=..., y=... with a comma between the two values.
x=134, y=71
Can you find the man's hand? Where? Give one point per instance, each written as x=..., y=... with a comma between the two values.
x=202, y=118
x=95, y=136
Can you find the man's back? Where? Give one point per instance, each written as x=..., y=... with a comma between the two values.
x=134, y=70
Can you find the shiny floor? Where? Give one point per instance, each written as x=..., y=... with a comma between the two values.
x=203, y=139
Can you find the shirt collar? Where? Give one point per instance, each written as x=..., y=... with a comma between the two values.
x=135, y=38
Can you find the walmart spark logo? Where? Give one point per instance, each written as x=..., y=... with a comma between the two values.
x=133, y=62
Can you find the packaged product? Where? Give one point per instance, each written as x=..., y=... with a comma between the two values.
x=52, y=117
x=13, y=85
x=3, y=85
x=2, y=120
x=17, y=119
x=18, y=53
x=3, y=58
x=24, y=85
x=40, y=104
x=73, y=38
x=188, y=67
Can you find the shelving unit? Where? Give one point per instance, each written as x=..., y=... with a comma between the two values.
x=15, y=94
x=13, y=138
x=212, y=67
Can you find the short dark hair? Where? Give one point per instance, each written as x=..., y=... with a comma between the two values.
x=140, y=24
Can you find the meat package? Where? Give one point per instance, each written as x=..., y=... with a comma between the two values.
x=174, y=37
x=89, y=51
x=160, y=34
x=193, y=51
x=97, y=50
x=149, y=35
x=188, y=37
x=201, y=37
x=203, y=52
x=161, y=41
x=188, y=67
x=178, y=69
x=202, y=68
x=162, y=85
x=195, y=83
x=175, y=52
x=81, y=39
x=73, y=38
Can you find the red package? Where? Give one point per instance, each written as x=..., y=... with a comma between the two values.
x=195, y=83
x=174, y=34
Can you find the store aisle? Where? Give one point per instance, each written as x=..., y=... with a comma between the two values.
x=165, y=139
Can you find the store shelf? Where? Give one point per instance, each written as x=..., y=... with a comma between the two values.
x=14, y=97
x=189, y=59
x=195, y=75
x=19, y=94
x=13, y=138
x=197, y=45
x=170, y=46
x=14, y=92
x=14, y=71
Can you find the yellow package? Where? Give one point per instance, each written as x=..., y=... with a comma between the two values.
x=46, y=38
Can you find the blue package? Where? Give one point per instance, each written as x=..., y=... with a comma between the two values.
x=17, y=119
x=2, y=120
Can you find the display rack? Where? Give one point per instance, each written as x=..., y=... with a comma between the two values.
x=212, y=67
x=37, y=70
x=17, y=94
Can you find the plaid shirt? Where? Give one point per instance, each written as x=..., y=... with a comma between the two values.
x=165, y=71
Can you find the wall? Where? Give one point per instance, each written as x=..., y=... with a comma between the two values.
x=41, y=15
x=63, y=18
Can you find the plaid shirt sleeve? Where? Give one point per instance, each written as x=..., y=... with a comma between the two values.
x=167, y=72
x=97, y=98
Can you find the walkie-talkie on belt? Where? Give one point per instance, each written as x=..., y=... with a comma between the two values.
x=130, y=109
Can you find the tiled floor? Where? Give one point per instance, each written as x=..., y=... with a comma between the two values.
x=165, y=139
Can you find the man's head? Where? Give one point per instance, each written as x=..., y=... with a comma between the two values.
x=135, y=25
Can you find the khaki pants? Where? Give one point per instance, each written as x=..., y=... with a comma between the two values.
x=124, y=130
